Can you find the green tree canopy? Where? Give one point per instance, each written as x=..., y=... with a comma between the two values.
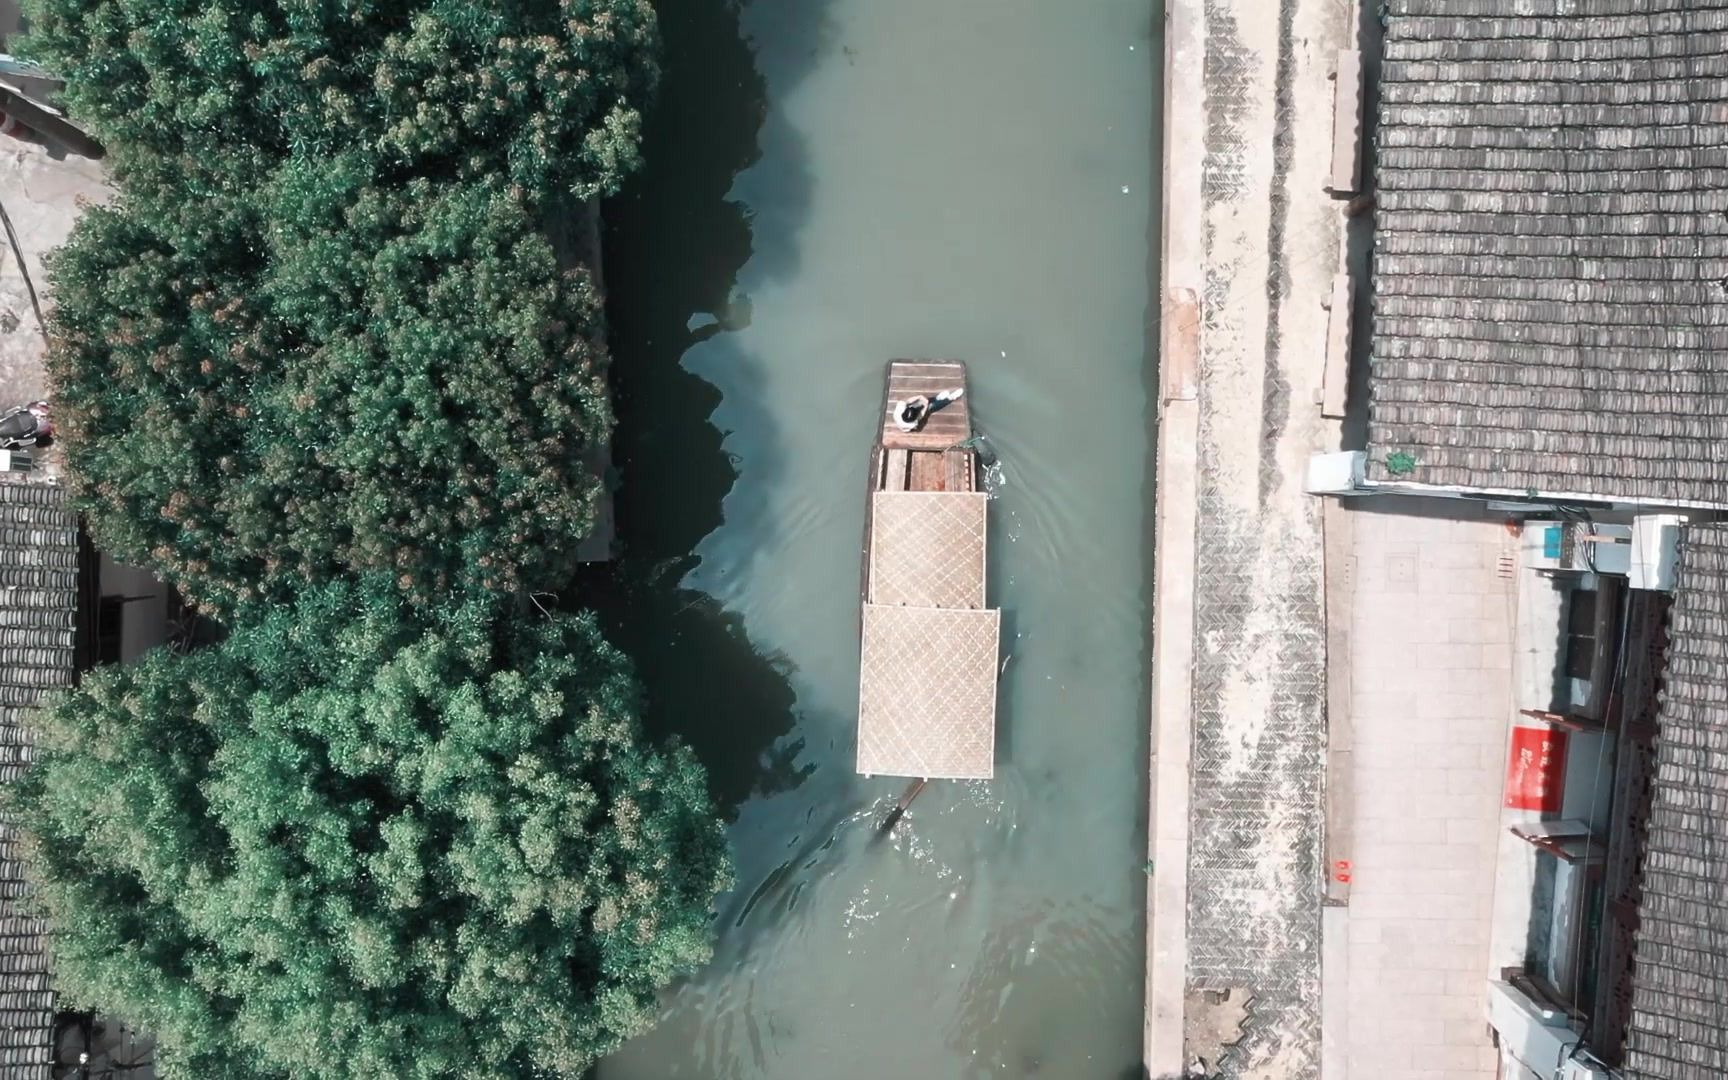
x=384, y=379
x=339, y=845
x=321, y=331
x=543, y=93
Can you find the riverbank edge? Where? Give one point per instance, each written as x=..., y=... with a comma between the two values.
x=1180, y=287
x=577, y=235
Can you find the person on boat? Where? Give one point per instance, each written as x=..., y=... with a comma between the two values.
x=909, y=414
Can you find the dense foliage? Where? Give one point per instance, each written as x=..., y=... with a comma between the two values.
x=405, y=383
x=321, y=330
x=339, y=845
x=543, y=93
x=319, y=365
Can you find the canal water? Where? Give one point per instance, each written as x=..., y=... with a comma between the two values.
x=832, y=183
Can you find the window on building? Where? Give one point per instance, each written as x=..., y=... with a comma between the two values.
x=1581, y=633
x=108, y=617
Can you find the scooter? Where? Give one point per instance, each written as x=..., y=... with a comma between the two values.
x=26, y=425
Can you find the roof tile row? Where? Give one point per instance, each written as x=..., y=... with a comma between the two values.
x=1551, y=270
x=1679, y=1024
x=38, y=602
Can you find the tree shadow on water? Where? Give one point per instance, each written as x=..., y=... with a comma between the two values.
x=706, y=682
x=674, y=245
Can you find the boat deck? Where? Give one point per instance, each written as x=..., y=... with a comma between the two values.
x=927, y=675
x=947, y=427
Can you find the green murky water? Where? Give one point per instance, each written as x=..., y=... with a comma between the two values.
x=833, y=183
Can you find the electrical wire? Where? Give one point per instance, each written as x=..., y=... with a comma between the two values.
x=1616, y=678
x=24, y=270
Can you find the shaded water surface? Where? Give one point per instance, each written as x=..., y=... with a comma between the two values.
x=832, y=183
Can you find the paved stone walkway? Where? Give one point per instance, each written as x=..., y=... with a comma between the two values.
x=1270, y=246
x=1430, y=701
x=1251, y=242
x=44, y=198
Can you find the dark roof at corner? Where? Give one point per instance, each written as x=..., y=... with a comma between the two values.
x=1552, y=248
x=38, y=607
x=1679, y=1024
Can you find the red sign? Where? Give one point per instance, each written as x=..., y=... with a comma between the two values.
x=1536, y=771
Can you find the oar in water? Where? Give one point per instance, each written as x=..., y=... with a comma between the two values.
x=899, y=810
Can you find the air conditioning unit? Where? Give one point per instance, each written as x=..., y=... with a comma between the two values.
x=1655, y=551
x=1577, y=547
x=1584, y=1068
x=1532, y=1032
x=1339, y=473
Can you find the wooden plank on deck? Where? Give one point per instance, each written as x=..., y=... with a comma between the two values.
x=897, y=470
x=957, y=464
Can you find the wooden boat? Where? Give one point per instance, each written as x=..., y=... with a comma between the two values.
x=928, y=667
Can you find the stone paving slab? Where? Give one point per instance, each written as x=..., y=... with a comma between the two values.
x=1429, y=699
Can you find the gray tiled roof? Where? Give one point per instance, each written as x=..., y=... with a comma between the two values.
x=38, y=602
x=1679, y=1024
x=1552, y=247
